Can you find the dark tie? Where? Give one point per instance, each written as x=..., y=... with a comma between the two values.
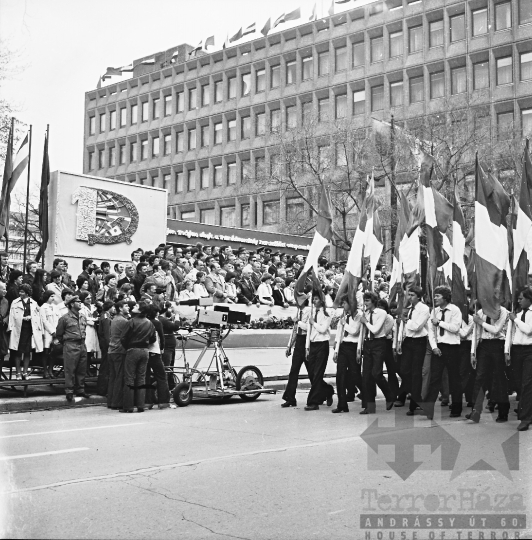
x=488, y=320
x=371, y=336
x=410, y=314
x=442, y=330
x=346, y=333
x=316, y=316
x=523, y=314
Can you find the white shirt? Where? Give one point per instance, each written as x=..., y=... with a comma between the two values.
x=416, y=325
x=466, y=329
x=522, y=331
x=200, y=291
x=376, y=327
x=320, y=327
x=349, y=327
x=451, y=320
x=389, y=323
x=264, y=292
x=302, y=322
x=187, y=295
x=496, y=329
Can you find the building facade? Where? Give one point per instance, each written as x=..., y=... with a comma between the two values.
x=200, y=127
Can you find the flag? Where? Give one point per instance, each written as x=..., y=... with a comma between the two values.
x=314, y=14
x=43, y=201
x=209, y=42
x=111, y=72
x=149, y=61
x=6, y=186
x=459, y=271
x=523, y=225
x=322, y=237
x=279, y=20
x=130, y=66
x=403, y=216
x=373, y=244
x=331, y=9
x=195, y=50
x=342, y=1
x=236, y=37
x=492, y=205
x=267, y=27
x=293, y=15
x=249, y=30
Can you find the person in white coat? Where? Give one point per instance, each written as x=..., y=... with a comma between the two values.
x=49, y=318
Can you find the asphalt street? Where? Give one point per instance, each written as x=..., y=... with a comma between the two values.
x=252, y=470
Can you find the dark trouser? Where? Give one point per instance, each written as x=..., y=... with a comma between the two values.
x=103, y=371
x=490, y=371
x=348, y=373
x=75, y=356
x=450, y=359
x=135, y=378
x=516, y=366
x=372, y=371
x=115, y=389
x=298, y=359
x=155, y=366
x=467, y=373
x=168, y=361
x=522, y=368
x=391, y=368
x=412, y=369
x=317, y=361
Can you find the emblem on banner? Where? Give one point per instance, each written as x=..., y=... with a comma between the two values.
x=104, y=217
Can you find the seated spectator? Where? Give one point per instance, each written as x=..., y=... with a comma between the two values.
x=187, y=293
x=230, y=288
x=278, y=293
x=199, y=287
x=289, y=291
x=264, y=291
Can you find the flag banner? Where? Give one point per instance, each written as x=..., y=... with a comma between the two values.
x=314, y=14
x=278, y=21
x=195, y=50
x=331, y=9
x=43, y=201
x=293, y=15
x=403, y=216
x=249, y=30
x=236, y=37
x=373, y=244
x=267, y=27
x=6, y=188
x=459, y=271
x=209, y=42
x=492, y=265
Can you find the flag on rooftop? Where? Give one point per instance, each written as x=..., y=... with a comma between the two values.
x=267, y=27
x=249, y=30
x=314, y=14
x=209, y=42
x=236, y=37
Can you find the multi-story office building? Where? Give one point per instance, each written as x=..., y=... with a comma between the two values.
x=200, y=126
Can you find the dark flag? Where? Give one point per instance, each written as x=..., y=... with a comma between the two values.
x=43, y=201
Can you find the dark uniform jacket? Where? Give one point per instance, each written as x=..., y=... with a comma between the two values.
x=71, y=327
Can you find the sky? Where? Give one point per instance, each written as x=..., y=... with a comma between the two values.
x=64, y=46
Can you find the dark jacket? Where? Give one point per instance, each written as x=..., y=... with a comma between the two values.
x=138, y=281
x=160, y=332
x=247, y=292
x=278, y=297
x=117, y=330
x=139, y=333
x=123, y=281
x=71, y=327
x=169, y=328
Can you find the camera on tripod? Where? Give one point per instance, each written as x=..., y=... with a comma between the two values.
x=221, y=316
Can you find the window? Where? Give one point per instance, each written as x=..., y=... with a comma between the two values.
x=207, y=216
x=295, y=210
x=217, y=172
x=205, y=95
x=482, y=120
x=306, y=68
x=436, y=34
x=245, y=171
x=415, y=39
x=306, y=112
x=323, y=109
x=155, y=107
x=323, y=63
x=340, y=59
x=505, y=125
x=504, y=70
x=291, y=117
x=180, y=141
x=481, y=75
x=291, y=72
x=359, y=102
x=396, y=94
x=340, y=155
x=275, y=165
x=112, y=156
x=245, y=127
x=180, y=101
x=143, y=149
x=121, y=154
x=417, y=93
x=133, y=150
x=191, y=139
x=437, y=85
x=144, y=111
x=227, y=216
x=396, y=44
x=503, y=16
x=260, y=166
x=260, y=80
x=192, y=97
x=458, y=80
x=275, y=76
x=155, y=146
x=377, y=98
x=167, y=178
x=204, y=136
x=167, y=144
x=376, y=49
x=231, y=88
x=179, y=187
x=168, y=105
x=204, y=177
x=246, y=84
x=275, y=119
x=340, y=106
x=191, y=180
x=112, y=120
x=525, y=11
x=231, y=130
x=101, y=158
x=91, y=161
x=245, y=220
x=134, y=114
x=359, y=54
x=526, y=121
x=123, y=113
x=92, y=125
x=218, y=130
x=102, y=123
x=270, y=212
x=480, y=21
x=260, y=124
x=526, y=66
x=218, y=91
x=188, y=216
x=457, y=27
x=231, y=174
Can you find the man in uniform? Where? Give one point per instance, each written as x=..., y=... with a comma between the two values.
x=70, y=332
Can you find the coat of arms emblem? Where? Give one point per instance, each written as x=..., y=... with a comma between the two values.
x=104, y=217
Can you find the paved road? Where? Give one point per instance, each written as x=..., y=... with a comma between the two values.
x=248, y=470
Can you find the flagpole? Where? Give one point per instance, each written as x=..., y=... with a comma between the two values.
x=27, y=203
x=47, y=146
x=12, y=137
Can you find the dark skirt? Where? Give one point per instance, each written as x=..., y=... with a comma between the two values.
x=26, y=333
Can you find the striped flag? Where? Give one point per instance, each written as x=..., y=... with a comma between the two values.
x=322, y=237
x=249, y=30
x=400, y=238
x=236, y=37
x=373, y=244
x=6, y=188
x=492, y=265
x=523, y=226
x=459, y=271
